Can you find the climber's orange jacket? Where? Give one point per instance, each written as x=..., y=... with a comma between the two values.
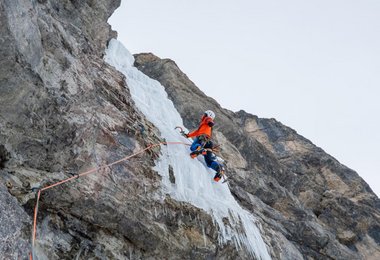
x=205, y=128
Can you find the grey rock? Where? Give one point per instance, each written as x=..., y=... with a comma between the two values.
x=310, y=200
x=14, y=243
x=63, y=111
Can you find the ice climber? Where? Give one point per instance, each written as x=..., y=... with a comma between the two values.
x=202, y=143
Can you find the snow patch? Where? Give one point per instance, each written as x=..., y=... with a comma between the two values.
x=194, y=181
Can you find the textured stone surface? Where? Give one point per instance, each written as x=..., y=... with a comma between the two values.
x=63, y=110
x=14, y=227
x=310, y=205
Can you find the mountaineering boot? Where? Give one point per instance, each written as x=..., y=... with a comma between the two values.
x=217, y=177
x=197, y=152
x=193, y=154
x=219, y=173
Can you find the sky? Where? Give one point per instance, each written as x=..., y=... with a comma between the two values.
x=312, y=65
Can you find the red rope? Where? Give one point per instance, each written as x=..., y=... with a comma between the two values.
x=93, y=170
x=35, y=216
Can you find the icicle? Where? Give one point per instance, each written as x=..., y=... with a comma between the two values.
x=130, y=253
x=204, y=234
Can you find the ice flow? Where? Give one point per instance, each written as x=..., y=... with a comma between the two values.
x=193, y=180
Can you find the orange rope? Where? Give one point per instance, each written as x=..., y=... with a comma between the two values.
x=83, y=174
x=35, y=215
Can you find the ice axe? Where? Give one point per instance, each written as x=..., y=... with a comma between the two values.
x=180, y=129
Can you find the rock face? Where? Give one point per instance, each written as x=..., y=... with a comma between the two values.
x=63, y=110
x=312, y=206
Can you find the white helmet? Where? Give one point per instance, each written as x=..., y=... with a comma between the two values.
x=210, y=114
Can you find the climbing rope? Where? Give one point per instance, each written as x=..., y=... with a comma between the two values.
x=93, y=170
